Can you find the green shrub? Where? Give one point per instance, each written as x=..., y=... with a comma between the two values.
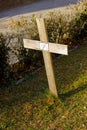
x=4, y=64
x=27, y=58
x=30, y=58
x=56, y=28
x=78, y=25
x=64, y=29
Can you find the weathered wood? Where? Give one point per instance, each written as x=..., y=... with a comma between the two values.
x=46, y=47
x=51, y=47
x=47, y=57
x=31, y=44
x=58, y=48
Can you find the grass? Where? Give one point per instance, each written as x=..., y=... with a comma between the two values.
x=30, y=106
x=8, y=4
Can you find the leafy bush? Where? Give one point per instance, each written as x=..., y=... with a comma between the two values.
x=64, y=29
x=59, y=27
x=78, y=25
x=56, y=28
x=4, y=63
x=29, y=57
x=22, y=30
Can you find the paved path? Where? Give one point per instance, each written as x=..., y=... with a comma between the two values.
x=39, y=5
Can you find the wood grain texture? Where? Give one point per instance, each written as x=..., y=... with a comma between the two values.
x=47, y=57
x=52, y=47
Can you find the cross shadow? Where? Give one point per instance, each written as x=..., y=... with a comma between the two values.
x=68, y=94
x=35, y=85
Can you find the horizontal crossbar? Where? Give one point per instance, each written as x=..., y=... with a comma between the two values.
x=50, y=47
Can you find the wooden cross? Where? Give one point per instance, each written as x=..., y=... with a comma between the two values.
x=46, y=48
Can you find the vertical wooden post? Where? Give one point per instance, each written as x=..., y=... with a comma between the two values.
x=47, y=57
